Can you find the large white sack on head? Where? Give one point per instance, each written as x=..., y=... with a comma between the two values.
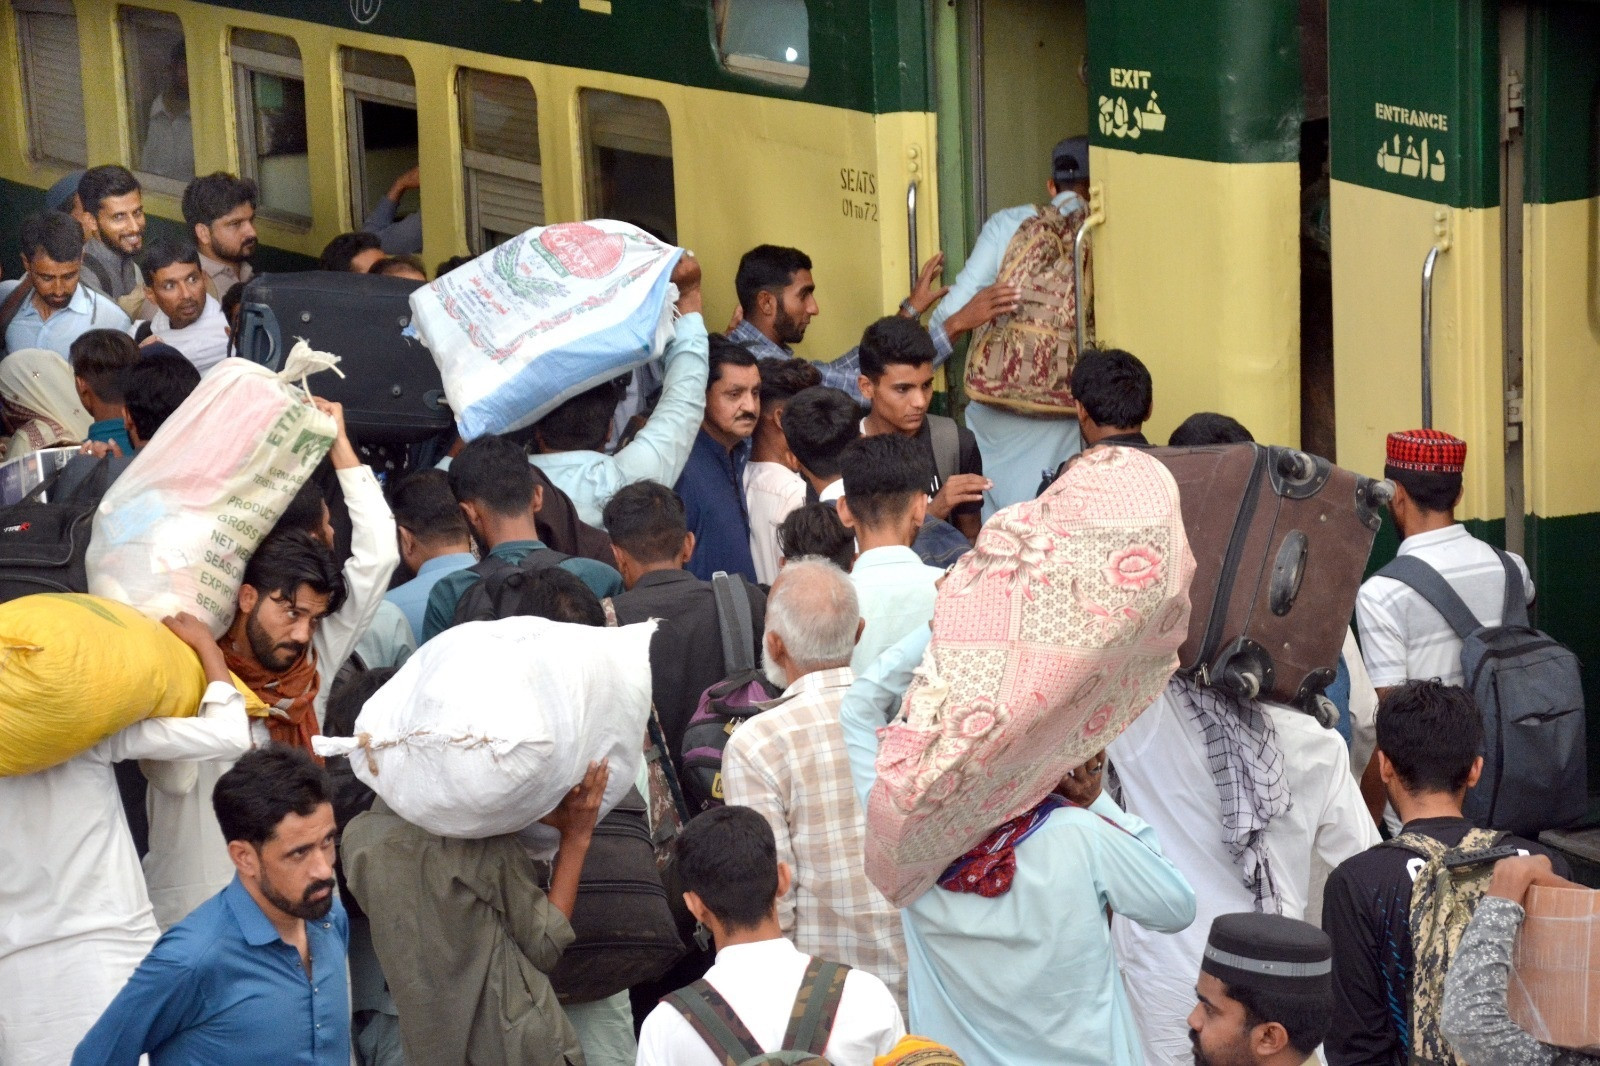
x=174, y=532
x=537, y=320
x=490, y=724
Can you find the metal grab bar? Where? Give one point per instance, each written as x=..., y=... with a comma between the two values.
x=1427, y=335
x=911, y=229
x=1093, y=219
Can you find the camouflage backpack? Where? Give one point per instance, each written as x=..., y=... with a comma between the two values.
x=1024, y=360
x=810, y=1020
x=1443, y=896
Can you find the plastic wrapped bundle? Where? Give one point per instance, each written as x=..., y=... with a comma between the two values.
x=174, y=532
x=1060, y=627
x=489, y=724
x=545, y=316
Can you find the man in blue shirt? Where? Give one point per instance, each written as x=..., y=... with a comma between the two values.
x=58, y=310
x=494, y=485
x=434, y=539
x=257, y=972
x=712, y=485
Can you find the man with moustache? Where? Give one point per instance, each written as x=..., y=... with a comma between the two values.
x=221, y=210
x=187, y=317
x=712, y=484
x=48, y=308
x=113, y=201
x=257, y=972
x=1265, y=993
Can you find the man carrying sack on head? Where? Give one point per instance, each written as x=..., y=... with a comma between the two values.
x=986, y=820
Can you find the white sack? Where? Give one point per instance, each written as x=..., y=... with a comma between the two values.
x=174, y=532
x=488, y=725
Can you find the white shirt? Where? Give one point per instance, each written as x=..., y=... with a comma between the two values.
x=204, y=342
x=188, y=860
x=1166, y=780
x=896, y=593
x=832, y=491
x=760, y=981
x=771, y=491
x=74, y=917
x=1402, y=636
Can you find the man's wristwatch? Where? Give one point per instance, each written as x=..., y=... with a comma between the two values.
x=907, y=310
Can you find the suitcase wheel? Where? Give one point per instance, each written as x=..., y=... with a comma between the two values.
x=1244, y=668
x=1371, y=498
x=1297, y=475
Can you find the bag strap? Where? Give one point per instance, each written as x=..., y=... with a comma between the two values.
x=734, y=622
x=1515, y=611
x=101, y=274
x=716, y=1022
x=946, y=439
x=13, y=304
x=815, y=1007
x=1427, y=582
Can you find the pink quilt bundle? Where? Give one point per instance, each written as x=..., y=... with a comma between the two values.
x=1055, y=632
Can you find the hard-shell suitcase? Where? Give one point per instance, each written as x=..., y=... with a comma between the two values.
x=391, y=390
x=1280, y=539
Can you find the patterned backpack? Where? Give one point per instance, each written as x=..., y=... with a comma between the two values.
x=810, y=1020
x=1024, y=360
x=1443, y=896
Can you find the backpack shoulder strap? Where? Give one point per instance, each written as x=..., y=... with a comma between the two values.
x=13, y=304
x=98, y=269
x=1426, y=582
x=734, y=623
x=1515, y=611
x=1418, y=844
x=715, y=1022
x=815, y=1006
x=946, y=437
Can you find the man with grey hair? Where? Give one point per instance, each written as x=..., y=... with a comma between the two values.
x=789, y=764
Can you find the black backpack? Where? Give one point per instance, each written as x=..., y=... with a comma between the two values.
x=498, y=591
x=43, y=538
x=1530, y=692
x=624, y=932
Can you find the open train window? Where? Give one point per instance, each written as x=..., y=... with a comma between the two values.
x=157, y=69
x=765, y=39
x=380, y=95
x=499, y=157
x=628, y=151
x=270, y=105
x=52, y=80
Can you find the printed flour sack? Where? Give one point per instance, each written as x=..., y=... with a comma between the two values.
x=1060, y=627
x=490, y=724
x=543, y=317
x=174, y=532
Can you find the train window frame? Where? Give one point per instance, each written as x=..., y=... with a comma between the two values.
x=790, y=74
x=628, y=137
x=128, y=30
x=40, y=102
x=360, y=87
x=489, y=177
x=248, y=61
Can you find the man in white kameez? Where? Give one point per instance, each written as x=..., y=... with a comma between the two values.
x=75, y=920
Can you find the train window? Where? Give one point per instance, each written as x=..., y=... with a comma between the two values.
x=270, y=105
x=157, y=69
x=765, y=39
x=381, y=126
x=499, y=157
x=52, y=80
x=628, y=149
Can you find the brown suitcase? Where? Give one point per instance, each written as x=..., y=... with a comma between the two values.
x=1280, y=539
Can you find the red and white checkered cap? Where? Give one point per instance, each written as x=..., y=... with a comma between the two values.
x=1427, y=451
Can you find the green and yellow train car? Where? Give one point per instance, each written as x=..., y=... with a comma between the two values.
x=1270, y=178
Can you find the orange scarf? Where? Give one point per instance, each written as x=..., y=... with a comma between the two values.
x=290, y=696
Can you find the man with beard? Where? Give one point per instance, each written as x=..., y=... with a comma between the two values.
x=221, y=209
x=257, y=972
x=113, y=201
x=712, y=485
x=1265, y=994
x=48, y=308
x=187, y=317
x=299, y=618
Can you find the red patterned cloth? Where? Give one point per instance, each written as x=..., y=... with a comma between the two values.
x=988, y=868
x=1427, y=451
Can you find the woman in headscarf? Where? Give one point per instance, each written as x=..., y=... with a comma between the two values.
x=39, y=403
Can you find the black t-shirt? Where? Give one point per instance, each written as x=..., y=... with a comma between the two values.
x=1366, y=912
x=968, y=461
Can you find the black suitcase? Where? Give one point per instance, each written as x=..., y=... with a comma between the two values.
x=391, y=390
x=1280, y=540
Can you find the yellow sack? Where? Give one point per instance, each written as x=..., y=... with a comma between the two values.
x=75, y=669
